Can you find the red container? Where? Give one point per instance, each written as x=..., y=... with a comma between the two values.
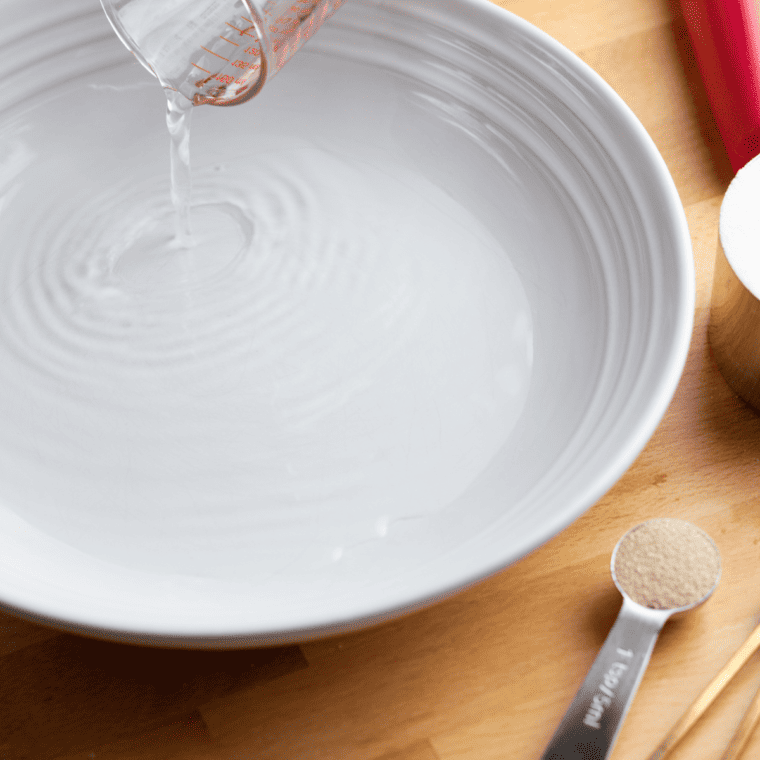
x=725, y=36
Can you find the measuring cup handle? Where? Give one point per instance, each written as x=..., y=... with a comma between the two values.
x=591, y=725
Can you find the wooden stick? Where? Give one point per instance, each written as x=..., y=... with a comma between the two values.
x=746, y=727
x=707, y=697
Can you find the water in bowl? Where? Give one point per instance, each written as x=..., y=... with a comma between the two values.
x=343, y=347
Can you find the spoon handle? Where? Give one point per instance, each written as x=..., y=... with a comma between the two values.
x=592, y=722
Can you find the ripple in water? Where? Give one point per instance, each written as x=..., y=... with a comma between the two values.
x=342, y=346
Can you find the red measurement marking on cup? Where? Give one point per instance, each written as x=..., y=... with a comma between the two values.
x=216, y=54
x=252, y=26
x=201, y=68
x=230, y=41
x=240, y=31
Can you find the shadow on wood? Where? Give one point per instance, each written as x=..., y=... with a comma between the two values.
x=70, y=694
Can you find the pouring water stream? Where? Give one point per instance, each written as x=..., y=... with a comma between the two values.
x=179, y=113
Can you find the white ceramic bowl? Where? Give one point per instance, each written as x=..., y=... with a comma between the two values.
x=105, y=527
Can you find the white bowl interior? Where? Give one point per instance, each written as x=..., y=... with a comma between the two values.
x=526, y=351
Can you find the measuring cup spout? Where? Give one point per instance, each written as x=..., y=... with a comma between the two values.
x=216, y=52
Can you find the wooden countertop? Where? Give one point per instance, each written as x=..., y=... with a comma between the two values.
x=489, y=673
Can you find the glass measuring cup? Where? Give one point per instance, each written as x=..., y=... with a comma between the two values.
x=217, y=52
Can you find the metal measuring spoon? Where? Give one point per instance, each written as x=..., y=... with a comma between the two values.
x=592, y=722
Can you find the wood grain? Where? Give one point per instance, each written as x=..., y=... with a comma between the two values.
x=489, y=673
